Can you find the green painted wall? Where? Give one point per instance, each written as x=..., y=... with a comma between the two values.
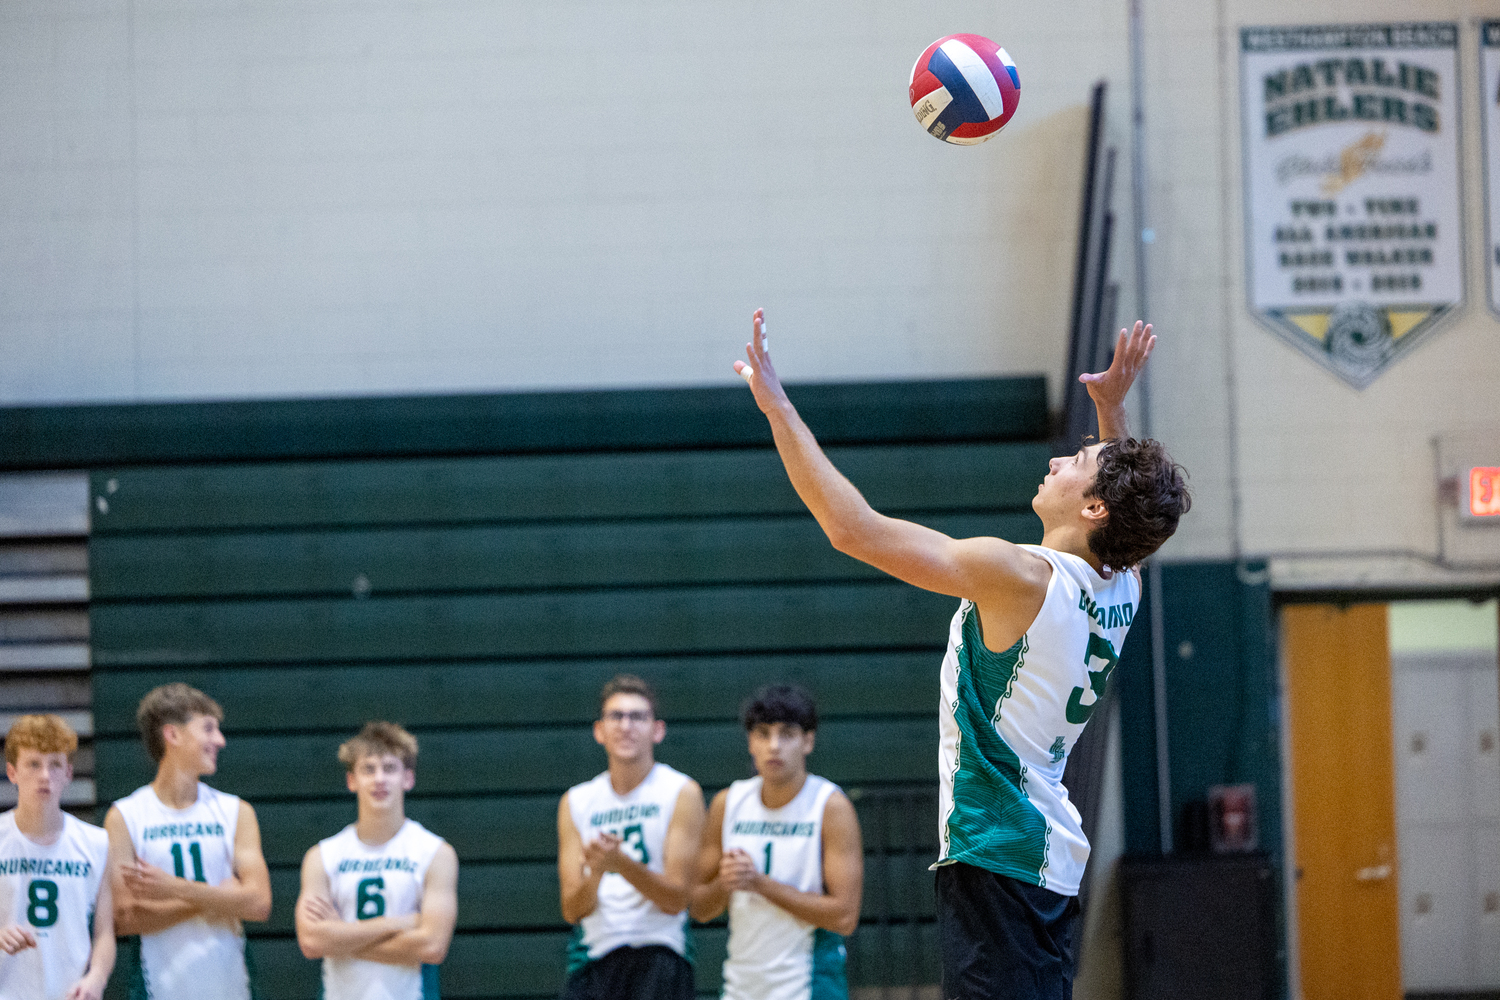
x=1223, y=702
x=475, y=567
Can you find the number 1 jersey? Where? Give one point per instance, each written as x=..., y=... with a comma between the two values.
x=380, y=880
x=772, y=954
x=196, y=959
x=50, y=890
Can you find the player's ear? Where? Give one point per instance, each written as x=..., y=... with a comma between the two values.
x=349, y=781
x=599, y=731
x=11, y=773
x=1096, y=513
x=810, y=740
x=658, y=730
x=408, y=779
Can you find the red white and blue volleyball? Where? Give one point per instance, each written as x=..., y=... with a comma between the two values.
x=964, y=89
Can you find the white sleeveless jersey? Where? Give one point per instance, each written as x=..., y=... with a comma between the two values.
x=380, y=881
x=50, y=891
x=1010, y=718
x=772, y=954
x=639, y=818
x=193, y=960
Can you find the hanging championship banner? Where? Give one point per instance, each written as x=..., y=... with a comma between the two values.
x=1489, y=90
x=1352, y=187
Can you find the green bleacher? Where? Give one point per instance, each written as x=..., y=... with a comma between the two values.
x=476, y=567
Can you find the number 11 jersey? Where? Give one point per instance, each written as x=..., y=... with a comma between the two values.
x=196, y=959
x=379, y=880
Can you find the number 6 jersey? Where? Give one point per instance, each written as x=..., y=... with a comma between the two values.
x=381, y=880
x=50, y=890
x=196, y=959
x=640, y=818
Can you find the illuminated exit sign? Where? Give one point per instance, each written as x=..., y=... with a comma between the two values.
x=1481, y=500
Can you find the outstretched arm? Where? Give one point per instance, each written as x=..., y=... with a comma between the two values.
x=989, y=571
x=1109, y=388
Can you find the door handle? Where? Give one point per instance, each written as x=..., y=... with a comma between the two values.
x=1374, y=873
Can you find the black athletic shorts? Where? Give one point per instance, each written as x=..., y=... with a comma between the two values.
x=627, y=973
x=1001, y=939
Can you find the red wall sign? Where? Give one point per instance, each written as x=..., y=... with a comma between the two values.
x=1484, y=492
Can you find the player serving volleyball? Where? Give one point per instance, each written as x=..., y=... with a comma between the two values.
x=1030, y=650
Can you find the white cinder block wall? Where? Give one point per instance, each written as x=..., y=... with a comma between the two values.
x=210, y=198
x=1301, y=465
x=247, y=198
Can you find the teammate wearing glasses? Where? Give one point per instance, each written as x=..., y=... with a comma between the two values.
x=627, y=843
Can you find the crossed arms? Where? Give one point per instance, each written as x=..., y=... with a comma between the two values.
x=420, y=938
x=147, y=900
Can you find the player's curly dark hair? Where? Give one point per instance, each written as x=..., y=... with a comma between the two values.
x=789, y=703
x=1145, y=493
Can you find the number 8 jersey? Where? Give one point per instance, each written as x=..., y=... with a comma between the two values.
x=196, y=959
x=380, y=880
x=49, y=889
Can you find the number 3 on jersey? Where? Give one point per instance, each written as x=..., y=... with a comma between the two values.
x=639, y=845
x=197, y=855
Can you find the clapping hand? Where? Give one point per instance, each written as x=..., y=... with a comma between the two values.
x=737, y=871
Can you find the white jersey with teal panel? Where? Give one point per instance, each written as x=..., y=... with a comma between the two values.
x=196, y=959
x=772, y=954
x=50, y=890
x=1010, y=718
x=378, y=880
x=640, y=818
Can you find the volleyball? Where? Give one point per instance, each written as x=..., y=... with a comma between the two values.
x=964, y=88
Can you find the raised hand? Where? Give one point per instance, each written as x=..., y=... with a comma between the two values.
x=759, y=372
x=1132, y=348
x=1109, y=388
